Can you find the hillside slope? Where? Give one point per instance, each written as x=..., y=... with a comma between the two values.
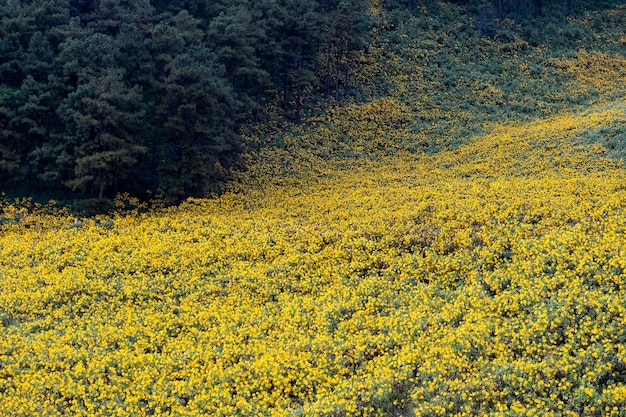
x=486, y=280
x=350, y=271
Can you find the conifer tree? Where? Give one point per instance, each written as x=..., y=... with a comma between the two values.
x=235, y=36
x=102, y=117
x=300, y=42
x=34, y=121
x=348, y=25
x=197, y=136
x=10, y=159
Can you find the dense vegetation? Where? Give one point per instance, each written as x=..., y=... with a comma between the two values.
x=449, y=241
x=488, y=281
x=94, y=93
x=103, y=97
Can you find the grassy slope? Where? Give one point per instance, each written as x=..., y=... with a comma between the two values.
x=428, y=252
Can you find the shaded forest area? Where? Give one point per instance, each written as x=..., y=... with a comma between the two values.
x=99, y=97
x=107, y=96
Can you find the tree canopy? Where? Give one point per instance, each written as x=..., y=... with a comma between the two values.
x=108, y=96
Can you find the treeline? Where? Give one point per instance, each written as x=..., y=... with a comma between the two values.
x=99, y=97
x=496, y=17
x=105, y=96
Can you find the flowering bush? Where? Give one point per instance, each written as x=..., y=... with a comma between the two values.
x=486, y=280
x=346, y=273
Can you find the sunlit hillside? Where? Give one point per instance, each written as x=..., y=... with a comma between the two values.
x=366, y=264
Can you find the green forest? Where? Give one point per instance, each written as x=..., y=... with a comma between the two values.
x=102, y=97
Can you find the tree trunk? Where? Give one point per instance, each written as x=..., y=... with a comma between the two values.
x=286, y=91
x=538, y=6
x=337, y=72
x=567, y=11
x=299, y=105
x=328, y=57
x=346, y=79
x=482, y=20
x=298, y=65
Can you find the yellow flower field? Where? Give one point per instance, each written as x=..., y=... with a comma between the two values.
x=486, y=280
x=366, y=265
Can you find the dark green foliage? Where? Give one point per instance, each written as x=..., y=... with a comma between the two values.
x=536, y=21
x=346, y=31
x=10, y=160
x=196, y=106
x=33, y=120
x=107, y=96
x=102, y=115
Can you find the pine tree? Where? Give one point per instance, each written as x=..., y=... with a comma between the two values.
x=35, y=120
x=235, y=36
x=198, y=111
x=301, y=38
x=10, y=159
x=348, y=25
x=103, y=116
